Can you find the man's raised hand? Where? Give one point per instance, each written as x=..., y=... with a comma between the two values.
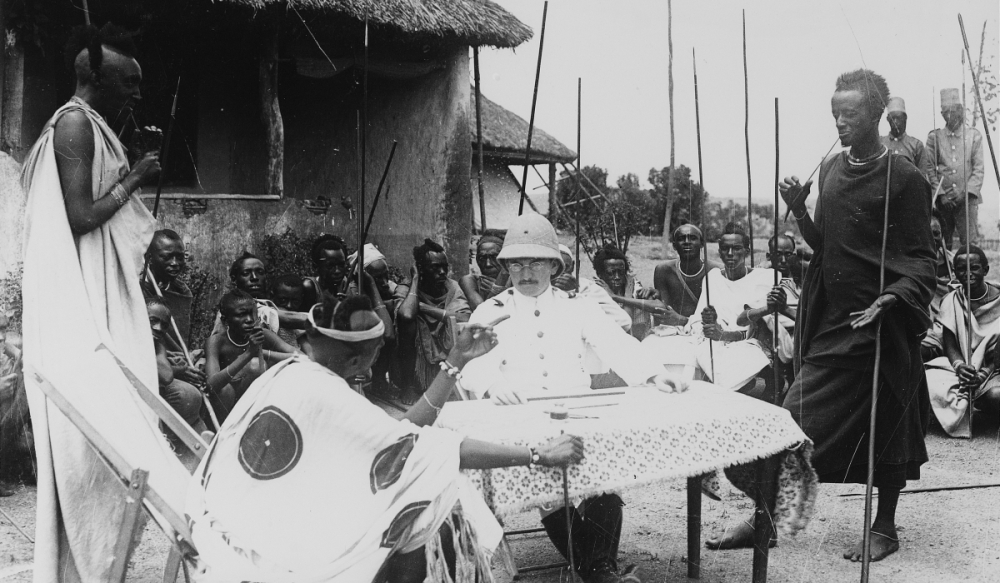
x=146, y=169
x=794, y=194
x=473, y=341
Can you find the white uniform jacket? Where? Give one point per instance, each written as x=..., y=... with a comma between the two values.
x=543, y=344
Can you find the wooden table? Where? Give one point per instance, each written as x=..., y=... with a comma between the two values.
x=641, y=435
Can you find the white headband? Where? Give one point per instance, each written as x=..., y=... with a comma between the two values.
x=351, y=336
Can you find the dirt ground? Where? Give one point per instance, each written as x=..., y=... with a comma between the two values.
x=945, y=537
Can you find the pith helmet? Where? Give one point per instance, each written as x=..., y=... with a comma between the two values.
x=531, y=235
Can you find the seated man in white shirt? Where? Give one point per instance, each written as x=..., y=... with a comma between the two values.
x=541, y=352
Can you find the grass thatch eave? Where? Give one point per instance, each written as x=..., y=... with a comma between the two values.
x=471, y=22
x=505, y=135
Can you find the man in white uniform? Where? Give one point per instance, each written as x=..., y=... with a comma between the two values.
x=541, y=352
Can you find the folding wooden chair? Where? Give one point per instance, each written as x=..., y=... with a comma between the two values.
x=135, y=490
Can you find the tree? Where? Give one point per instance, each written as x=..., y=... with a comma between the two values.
x=678, y=204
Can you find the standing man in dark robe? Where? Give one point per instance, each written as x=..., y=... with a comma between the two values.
x=842, y=305
x=679, y=281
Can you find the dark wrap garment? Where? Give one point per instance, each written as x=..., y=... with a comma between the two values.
x=435, y=338
x=831, y=395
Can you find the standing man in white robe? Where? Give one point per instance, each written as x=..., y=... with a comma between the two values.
x=85, y=234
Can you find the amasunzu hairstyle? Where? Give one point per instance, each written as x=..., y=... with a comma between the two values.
x=868, y=83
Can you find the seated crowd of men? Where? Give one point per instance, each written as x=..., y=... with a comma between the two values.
x=629, y=334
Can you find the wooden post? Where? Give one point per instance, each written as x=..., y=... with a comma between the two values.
x=270, y=111
x=13, y=98
x=694, y=527
x=479, y=144
x=763, y=524
x=552, y=193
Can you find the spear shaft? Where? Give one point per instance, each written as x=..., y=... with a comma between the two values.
x=775, y=361
x=979, y=100
x=165, y=149
x=579, y=185
x=701, y=182
x=746, y=137
x=531, y=121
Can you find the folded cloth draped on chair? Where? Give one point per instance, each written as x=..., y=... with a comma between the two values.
x=307, y=481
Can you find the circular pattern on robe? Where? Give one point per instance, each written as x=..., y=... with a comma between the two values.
x=271, y=446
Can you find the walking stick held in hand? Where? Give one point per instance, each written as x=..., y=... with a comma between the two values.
x=866, y=541
x=165, y=149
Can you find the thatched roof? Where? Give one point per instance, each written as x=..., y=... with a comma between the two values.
x=472, y=22
x=505, y=135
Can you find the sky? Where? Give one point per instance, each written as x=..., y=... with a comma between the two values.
x=795, y=51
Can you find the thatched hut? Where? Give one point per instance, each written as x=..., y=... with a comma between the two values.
x=505, y=138
x=270, y=90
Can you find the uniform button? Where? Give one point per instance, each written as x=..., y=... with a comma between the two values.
x=579, y=356
x=537, y=313
x=540, y=333
x=541, y=356
x=545, y=373
x=503, y=362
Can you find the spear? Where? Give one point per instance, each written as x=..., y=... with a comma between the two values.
x=968, y=234
x=701, y=182
x=479, y=143
x=531, y=121
x=746, y=137
x=979, y=100
x=165, y=149
x=775, y=361
x=579, y=185
x=364, y=161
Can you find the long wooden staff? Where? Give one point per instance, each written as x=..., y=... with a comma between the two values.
x=180, y=340
x=579, y=185
x=979, y=100
x=368, y=223
x=165, y=149
x=746, y=138
x=479, y=142
x=775, y=360
x=701, y=182
x=364, y=161
x=968, y=234
x=531, y=120
x=866, y=541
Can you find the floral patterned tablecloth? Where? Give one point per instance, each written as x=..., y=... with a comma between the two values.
x=638, y=437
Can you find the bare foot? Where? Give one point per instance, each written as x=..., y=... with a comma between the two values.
x=883, y=545
x=739, y=536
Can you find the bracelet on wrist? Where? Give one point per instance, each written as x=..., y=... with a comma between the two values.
x=433, y=406
x=799, y=217
x=450, y=370
x=956, y=363
x=533, y=458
